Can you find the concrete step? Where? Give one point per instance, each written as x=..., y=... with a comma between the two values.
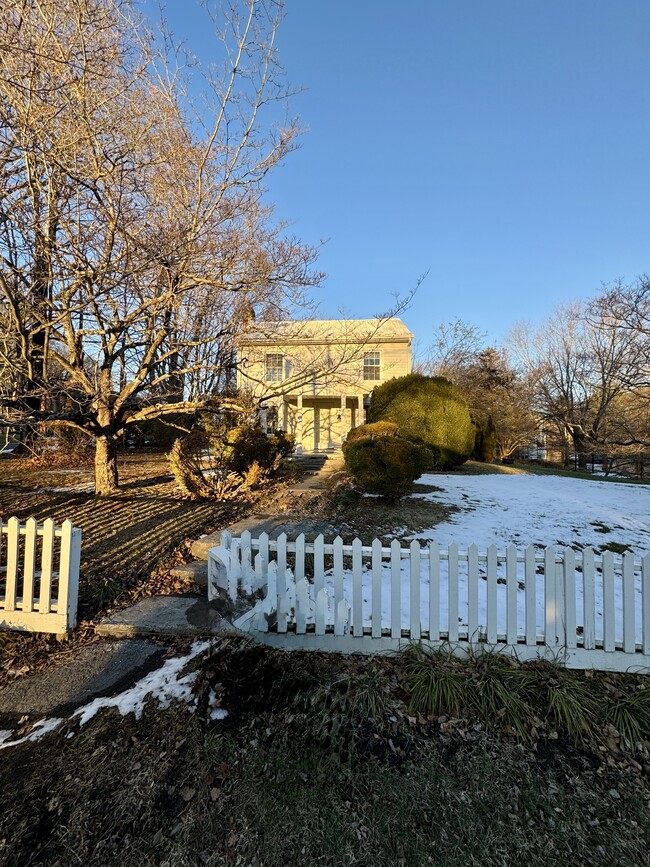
x=165, y=615
x=197, y=571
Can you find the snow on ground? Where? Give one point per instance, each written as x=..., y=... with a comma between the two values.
x=163, y=685
x=521, y=510
x=540, y=510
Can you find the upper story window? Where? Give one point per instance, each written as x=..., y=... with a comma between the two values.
x=371, y=365
x=273, y=364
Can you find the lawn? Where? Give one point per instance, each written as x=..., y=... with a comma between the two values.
x=131, y=538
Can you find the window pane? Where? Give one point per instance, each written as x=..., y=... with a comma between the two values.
x=371, y=365
x=274, y=363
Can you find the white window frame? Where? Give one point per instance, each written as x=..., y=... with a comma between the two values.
x=373, y=368
x=273, y=371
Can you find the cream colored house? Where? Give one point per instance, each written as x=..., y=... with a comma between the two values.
x=313, y=377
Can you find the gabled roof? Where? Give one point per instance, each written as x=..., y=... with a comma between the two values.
x=327, y=331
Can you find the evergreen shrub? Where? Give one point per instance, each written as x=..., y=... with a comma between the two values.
x=378, y=429
x=386, y=465
x=429, y=410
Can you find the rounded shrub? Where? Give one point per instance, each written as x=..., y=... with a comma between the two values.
x=370, y=431
x=386, y=465
x=429, y=410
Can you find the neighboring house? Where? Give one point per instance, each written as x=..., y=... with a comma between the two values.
x=314, y=377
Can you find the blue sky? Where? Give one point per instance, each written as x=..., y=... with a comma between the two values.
x=502, y=144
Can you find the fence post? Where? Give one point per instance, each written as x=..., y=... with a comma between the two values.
x=645, y=603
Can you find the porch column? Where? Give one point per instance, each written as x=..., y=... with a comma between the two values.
x=360, y=414
x=264, y=418
x=299, y=426
x=285, y=416
x=344, y=420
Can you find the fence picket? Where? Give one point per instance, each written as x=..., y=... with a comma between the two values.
x=434, y=591
x=300, y=557
x=47, y=562
x=452, y=563
x=321, y=611
x=491, y=632
x=414, y=596
x=609, y=593
x=511, y=595
x=588, y=599
x=29, y=564
x=338, y=573
x=395, y=589
x=550, y=602
x=260, y=579
x=376, y=589
x=342, y=614
x=302, y=605
x=281, y=553
x=271, y=599
x=645, y=604
x=319, y=563
x=263, y=550
x=472, y=593
x=246, y=561
x=234, y=573
x=569, y=581
x=357, y=589
x=629, y=625
x=13, y=541
x=530, y=595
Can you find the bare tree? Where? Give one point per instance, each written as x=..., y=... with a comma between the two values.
x=135, y=242
x=584, y=360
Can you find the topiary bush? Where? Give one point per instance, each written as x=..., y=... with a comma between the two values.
x=386, y=465
x=429, y=410
x=378, y=429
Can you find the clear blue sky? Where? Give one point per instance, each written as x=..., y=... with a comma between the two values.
x=502, y=144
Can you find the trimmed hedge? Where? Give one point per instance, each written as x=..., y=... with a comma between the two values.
x=386, y=465
x=429, y=410
x=379, y=429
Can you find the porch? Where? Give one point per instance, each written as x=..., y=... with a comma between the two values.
x=318, y=423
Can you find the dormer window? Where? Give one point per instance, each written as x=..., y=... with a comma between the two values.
x=273, y=366
x=371, y=366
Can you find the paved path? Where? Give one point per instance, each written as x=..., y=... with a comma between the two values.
x=104, y=668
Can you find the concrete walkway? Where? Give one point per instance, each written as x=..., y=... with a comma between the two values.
x=104, y=668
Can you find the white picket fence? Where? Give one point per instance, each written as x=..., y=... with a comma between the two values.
x=586, y=609
x=39, y=575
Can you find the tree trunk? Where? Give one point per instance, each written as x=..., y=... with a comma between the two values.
x=106, y=478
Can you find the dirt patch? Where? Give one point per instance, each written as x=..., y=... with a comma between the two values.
x=352, y=514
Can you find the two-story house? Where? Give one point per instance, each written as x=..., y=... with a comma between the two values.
x=314, y=376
